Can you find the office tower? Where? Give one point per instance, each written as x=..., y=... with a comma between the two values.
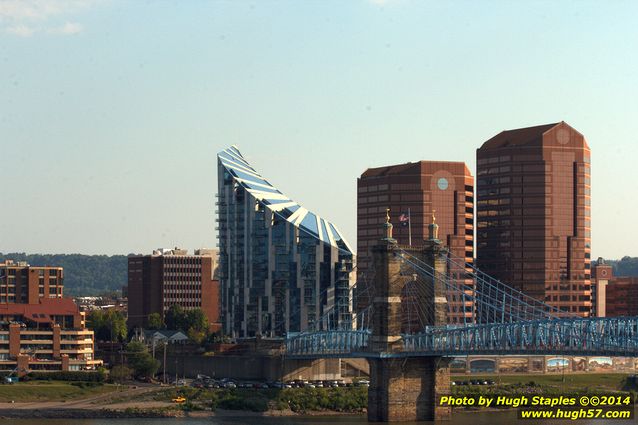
x=172, y=277
x=533, y=213
x=282, y=268
x=420, y=189
x=24, y=284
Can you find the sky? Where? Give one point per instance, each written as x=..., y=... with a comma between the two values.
x=112, y=112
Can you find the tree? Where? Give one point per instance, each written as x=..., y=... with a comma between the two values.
x=192, y=322
x=196, y=319
x=121, y=373
x=108, y=325
x=84, y=275
x=140, y=360
x=196, y=336
x=175, y=318
x=155, y=321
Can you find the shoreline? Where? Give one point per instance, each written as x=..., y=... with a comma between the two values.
x=162, y=412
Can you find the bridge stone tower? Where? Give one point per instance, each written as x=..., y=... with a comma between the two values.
x=405, y=388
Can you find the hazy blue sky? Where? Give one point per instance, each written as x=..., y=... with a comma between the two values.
x=111, y=112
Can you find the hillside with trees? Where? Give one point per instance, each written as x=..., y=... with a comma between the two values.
x=84, y=275
x=626, y=266
x=87, y=275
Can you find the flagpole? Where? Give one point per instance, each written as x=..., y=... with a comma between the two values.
x=409, y=228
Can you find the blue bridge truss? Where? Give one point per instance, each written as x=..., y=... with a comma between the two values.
x=503, y=321
x=616, y=336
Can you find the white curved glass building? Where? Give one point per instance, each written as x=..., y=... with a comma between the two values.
x=282, y=268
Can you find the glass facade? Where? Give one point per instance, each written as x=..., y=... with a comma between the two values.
x=282, y=268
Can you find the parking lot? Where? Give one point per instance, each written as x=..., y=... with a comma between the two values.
x=213, y=383
x=473, y=382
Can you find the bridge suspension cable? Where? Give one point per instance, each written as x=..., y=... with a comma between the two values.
x=492, y=303
x=483, y=279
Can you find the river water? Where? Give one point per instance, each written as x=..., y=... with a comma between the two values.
x=473, y=418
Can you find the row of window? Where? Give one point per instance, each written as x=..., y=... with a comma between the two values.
x=363, y=189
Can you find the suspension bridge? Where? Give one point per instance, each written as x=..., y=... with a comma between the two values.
x=405, y=334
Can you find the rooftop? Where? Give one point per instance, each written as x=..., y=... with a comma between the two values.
x=13, y=263
x=418, y=168
x=42, y=311
x=273, y=199
x=519, y=136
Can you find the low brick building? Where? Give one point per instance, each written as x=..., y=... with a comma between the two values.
x=49, y=335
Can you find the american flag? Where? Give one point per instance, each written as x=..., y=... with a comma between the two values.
x=404, y=219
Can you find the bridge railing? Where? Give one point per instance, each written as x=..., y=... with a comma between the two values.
x=595, y=336
x=327, y=342
x=610, y=336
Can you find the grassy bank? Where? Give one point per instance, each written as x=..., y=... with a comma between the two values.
x=52, y=391
x=603, y=381
x=298, y=400
x=548, y=385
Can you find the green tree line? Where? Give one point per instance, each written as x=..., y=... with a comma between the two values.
x=626, y=266
x=192, y=322
x=84, y=275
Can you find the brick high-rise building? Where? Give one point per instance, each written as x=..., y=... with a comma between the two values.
x=172, y=277
x=424, y=187
x=533, y=213
x=24, y=284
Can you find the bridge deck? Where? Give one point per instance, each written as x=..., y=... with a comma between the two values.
x=592, y=337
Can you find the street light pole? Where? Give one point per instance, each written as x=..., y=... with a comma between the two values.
x=164, y=363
